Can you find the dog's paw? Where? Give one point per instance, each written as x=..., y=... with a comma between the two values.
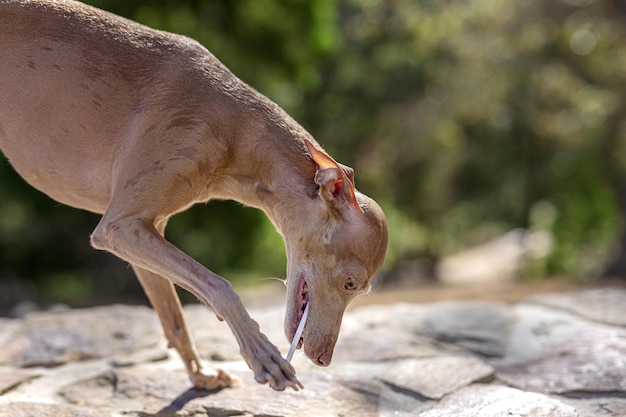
x=271, y=368
x=213, y=379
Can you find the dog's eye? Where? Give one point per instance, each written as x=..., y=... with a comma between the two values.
x=349, y=285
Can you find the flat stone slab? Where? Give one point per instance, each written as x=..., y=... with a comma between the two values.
x=143, y=392
x=591, y=360
x=498, y=401
x=438, y=376
x=480, y=327
x=11, y=377
x=456, y=359
x=605, y=305
x=43, y=410
x=52, y=339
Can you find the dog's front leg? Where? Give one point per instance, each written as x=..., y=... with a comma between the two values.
x=135, y=239
x=166, y=303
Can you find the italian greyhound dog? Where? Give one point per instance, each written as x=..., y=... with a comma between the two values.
x=104, y=114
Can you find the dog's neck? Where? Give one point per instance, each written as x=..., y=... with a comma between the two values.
x=276, y=177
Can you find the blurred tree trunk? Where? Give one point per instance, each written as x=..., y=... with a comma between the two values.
x=615, y=171
x=617, y=266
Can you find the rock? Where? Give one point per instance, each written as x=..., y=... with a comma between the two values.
x=395, y=402
x=557, y=352
x=431, y=359
x=382, y=344
x=142, y=356
x=537, y=331
x=43, y=410
x=480, y=327
x=436, y=377
x=593, y=361
x=605, y=405
x=51, y=339
x=398, y=316
x=115, y=390
x=324, y=395
x=604, y=305
x=10, y=378
x=497, y=401
x=153, y=392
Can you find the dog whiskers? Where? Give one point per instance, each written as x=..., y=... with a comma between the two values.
x=283, y=280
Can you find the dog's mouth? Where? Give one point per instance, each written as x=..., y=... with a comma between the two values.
x=302, y=300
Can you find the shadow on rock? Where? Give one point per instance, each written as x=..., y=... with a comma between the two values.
x=179, y=403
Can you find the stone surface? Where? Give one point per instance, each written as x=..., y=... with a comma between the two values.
x=597, y=405
x=437, y=376
x=53, y=339
x=43, y=410
x=10, y=377
x=157, y=392
x=559, y=353
x=386, y=344
x=603, y=305
x=481, y=327
x=461, y=359
x=478, y=326
x=498, y=401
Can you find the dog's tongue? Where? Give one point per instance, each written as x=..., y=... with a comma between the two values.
x=296, y=337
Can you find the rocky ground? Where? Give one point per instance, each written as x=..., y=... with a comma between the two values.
x=559, y=354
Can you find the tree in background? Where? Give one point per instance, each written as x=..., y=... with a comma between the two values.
x=465, y=119
x=474, y=117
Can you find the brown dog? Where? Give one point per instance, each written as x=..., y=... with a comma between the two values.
x=107, y=115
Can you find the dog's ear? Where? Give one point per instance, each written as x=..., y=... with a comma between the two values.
x=336, y=181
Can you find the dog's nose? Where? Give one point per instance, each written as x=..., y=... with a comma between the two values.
x=324, y=359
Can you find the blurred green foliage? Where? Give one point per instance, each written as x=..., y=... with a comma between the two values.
x=463, y=118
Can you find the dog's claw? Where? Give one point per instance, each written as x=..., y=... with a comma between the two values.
x=280, y=384
x=275, y=371
x=263, y=358
x=297, y=385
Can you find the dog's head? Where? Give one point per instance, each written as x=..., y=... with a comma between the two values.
x=334, y=257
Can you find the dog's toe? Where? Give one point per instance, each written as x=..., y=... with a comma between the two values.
x=214, y=380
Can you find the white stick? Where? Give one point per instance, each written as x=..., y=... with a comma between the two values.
x=296, y=337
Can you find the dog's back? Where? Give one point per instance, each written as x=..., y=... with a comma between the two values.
x=74, y=81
